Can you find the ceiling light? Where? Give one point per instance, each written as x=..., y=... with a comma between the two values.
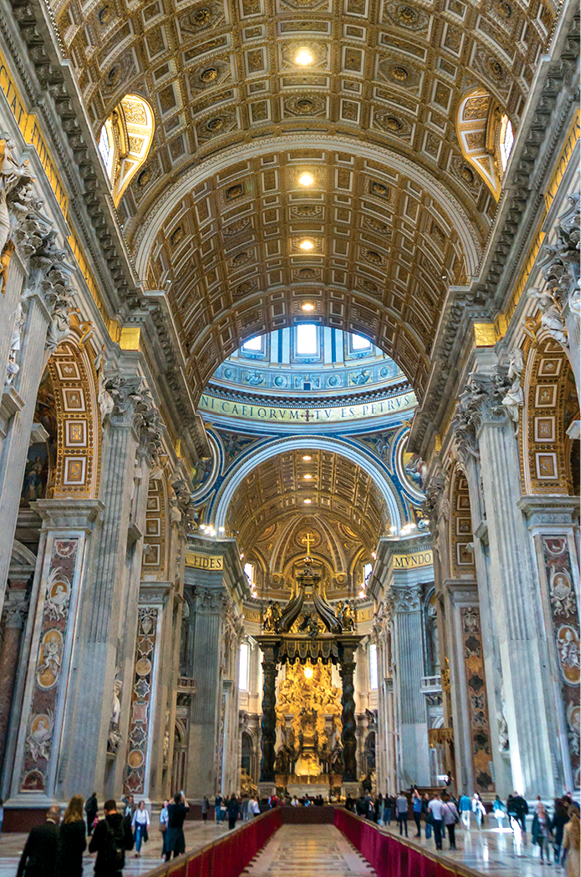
x=373, y=554
x=307, y=307
x=307, y=458
x=307, y=477
x=306, y=179
x=241, y=557
x=308, y=671
x=307, y=501
x=304, y=57
x=306, y=244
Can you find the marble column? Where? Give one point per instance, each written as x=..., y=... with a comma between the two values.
x=103, y=611
x=348, y=739
x=44, y=322
x=407, y=631
x=53, y=624
x=15, y=614
x=268, y=722
x=514, y=588
x=553, y=524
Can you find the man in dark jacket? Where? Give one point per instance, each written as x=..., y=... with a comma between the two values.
x=176, y=814
x=111, y=838
x=39, y=854
x=233, y=807
x=91, y=809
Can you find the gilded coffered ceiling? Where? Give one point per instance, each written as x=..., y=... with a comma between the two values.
x=395, y=212
x=338, y=490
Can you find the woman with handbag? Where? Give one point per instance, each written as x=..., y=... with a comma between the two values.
x=451, y=817
x=140, y=825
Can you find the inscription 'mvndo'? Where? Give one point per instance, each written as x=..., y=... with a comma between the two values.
x=409, y=561
x=204, y=561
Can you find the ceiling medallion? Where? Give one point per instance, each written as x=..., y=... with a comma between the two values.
x=407, y=15
x=307, y=273
x=374, y=257
x=241, y=259
x=176, y=236
x=215, y=124
x=306, y=179
x=506, y=9
x=495, y=68
x=399, y=73
x=144, y=178
x=236, y=227
x=392, y=124
x=113, y=75
x=305, y=105
x=200, y=16
x=379, y=189
x=243, y=288
x=234, y=191
x=209, y=74
x=467, y=175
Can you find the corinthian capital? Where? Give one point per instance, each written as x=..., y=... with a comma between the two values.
x=481, y=402
x=404, y=599
x=559, y=262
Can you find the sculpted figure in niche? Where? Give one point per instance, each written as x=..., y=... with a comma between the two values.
x=15, y=194
x=514, y=399
x=114, y=737
x=271, y=618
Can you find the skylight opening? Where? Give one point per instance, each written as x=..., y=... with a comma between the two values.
x=358, y=342
x=306, y=339
x=254, y=344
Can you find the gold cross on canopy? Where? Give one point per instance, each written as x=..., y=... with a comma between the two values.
x=308, y=538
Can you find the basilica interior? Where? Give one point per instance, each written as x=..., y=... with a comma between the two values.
x=289, y=426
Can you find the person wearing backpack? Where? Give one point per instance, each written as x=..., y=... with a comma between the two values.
x=111, y=839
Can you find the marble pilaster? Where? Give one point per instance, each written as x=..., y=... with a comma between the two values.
x=514, y=587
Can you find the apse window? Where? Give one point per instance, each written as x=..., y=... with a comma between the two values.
x=254, y=345
x=506, y=140
x=249, y=572
x=358, y=343
x=367, y=570
x=373, y=666
x=106, y=149
x=306, y=339
x=243, y=668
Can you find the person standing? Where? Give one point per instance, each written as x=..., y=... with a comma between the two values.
x=465, y=808
x=176, y=814
x=205, y=808
x=72, y=841
x=435, y=807
x=451, y=817
x=417, y=807
x=140, y=825
x=401, y=809
x=91, y=809
x=163, y=816
x=499, y=809
x=478, y=809
x=111, y=839
x=233, y=808
x=571, y=842
x=38, y=857
x=541, y=830
x=560, y=819
x=256, y=807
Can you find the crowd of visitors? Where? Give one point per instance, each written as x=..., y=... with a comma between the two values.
x=556, y=833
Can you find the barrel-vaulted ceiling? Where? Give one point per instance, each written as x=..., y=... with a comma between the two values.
x=395, y=212
x=334, y=487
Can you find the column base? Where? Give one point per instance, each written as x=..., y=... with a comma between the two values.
x=350, y=789
x=266, y=789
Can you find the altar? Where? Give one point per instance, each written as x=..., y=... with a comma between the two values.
x=308, y=731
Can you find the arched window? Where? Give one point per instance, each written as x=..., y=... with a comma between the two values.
x=485, y=135
x=506, y=141
x=125, y=140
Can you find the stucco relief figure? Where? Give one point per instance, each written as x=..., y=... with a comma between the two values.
x=104, y=398
x=114, y=737
x=50, y=659
x=15, y=188
x=39, y=738
x=13, y=367
x=514, y=399
x=568, y=647
x=551, y=317
x=58, y=594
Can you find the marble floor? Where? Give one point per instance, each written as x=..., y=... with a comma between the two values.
x=309, y=850
x=489, y=851
x=322, y=850
x=197, y=835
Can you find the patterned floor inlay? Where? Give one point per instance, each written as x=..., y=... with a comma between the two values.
x=309, y=850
